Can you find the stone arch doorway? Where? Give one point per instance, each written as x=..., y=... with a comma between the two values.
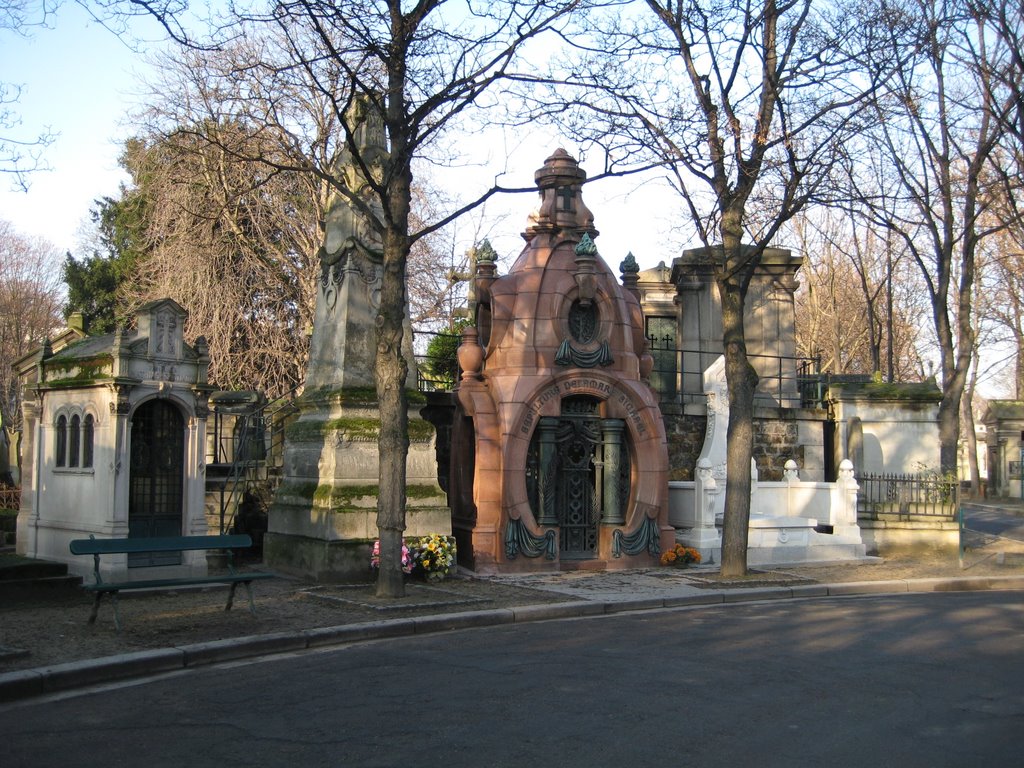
x=156, y=479
x=578, y=475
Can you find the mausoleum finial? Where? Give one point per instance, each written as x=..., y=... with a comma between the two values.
x=560, y=182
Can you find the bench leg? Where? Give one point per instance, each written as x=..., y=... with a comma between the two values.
x=231, y=597
x=117, y=617
x=95, y=607
x=252, y=604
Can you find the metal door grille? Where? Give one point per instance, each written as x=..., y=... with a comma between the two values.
x=157, y=478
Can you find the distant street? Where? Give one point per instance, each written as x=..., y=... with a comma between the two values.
x=1007, y=522
x=912, y=680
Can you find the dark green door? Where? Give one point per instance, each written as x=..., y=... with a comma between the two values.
x=157, y=478
x=578, y=504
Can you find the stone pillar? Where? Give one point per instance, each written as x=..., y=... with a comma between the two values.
x=698, y=312
x=120, y=408
x=31, y=466
x=844, y=522
x=611, y=433
x=322, y=522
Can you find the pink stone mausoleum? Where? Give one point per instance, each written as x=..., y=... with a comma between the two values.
x=559, y=455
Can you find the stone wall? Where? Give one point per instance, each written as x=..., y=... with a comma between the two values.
x=775, y=442
x=685, y=433
x=779, y=435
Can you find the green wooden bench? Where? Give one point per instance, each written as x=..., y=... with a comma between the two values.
x=228, y=543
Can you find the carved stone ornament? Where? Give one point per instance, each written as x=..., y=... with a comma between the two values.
x=122, y=405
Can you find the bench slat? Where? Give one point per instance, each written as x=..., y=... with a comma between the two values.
x=159, y=544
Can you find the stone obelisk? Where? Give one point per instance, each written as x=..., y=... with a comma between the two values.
x=322, y=522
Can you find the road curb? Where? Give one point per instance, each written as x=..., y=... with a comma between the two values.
x=29, y=683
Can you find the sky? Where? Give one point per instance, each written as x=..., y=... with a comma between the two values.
x=78, y=81
x=74, y=80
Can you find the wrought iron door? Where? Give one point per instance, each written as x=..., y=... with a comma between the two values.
x=578, y=475
x=157, y=478
x=576, y=501
x=578, y=513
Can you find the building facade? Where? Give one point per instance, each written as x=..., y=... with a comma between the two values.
x=114, y=433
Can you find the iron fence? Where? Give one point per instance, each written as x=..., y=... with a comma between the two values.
x=10, y=498
x=787, y=380
x=908, y=497
x=436, y=372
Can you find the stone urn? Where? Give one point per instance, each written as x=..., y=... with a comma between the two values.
x=646, y=366
x=470, y=353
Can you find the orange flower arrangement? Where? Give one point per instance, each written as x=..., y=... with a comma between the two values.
x=680, y=556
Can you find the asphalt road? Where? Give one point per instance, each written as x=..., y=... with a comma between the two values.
x=908, y=680
x=1007, y=523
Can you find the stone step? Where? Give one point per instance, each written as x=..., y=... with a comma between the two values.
x=40, y=588
x=17, y=568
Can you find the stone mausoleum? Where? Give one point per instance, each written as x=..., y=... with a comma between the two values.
x=114, y=439
x=1004, y=439
x=559, y=457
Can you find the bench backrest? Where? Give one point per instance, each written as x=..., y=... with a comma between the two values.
x=93, y=546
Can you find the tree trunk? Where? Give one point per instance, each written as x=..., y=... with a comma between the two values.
x=742, y=381
x=949, y=430
x=391, y=371
x=1019, y=368
x=972, y=442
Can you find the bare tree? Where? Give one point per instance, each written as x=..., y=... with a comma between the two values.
x=233, y=244
x=940, y=122
x=225, y=225
x=20, y=155
x=421, y=66
x=747, y=108
x=856, y=305
x=30, y=304
x=1005, y=78
x=1002, y=292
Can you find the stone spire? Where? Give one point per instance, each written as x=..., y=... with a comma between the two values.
x=343, y=346
x=561, y=209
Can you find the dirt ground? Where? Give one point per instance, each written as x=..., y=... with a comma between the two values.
x=52, y=629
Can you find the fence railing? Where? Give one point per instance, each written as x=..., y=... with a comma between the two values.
x=437, y=372
x=245, y=443
x=10, y=498
x=908, y=497
x=787, y=380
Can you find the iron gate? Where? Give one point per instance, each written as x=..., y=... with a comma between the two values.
x=156, y=479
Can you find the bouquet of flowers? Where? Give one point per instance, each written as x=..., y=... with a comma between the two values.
x=408, y=561
x=435, y=555
x=680, y=556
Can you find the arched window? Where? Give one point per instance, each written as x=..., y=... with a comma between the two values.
x=87, y=429
x=61, y=441
x=74, y=440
